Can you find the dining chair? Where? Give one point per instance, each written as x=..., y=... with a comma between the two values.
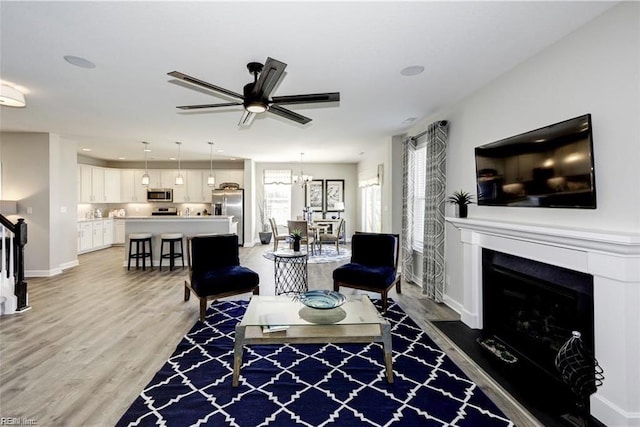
x=303, y=226
x=373, y=266
x=334, y=236
x=215, y=270
x=277, y=237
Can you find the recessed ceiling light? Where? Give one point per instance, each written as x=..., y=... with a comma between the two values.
x=86, y=149
x=412, y=70
x=219, y=150
x=79, y=62
x=409, y=120
x=122, y=158
x=148, y=150
x=172, y=158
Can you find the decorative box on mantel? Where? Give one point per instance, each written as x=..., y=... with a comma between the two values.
x=612, y=258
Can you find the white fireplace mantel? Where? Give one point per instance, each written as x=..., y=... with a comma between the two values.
x=612, y=258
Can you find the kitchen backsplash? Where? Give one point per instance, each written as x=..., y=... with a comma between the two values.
x=90, y=211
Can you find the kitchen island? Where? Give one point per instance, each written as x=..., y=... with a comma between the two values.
x=187, y=225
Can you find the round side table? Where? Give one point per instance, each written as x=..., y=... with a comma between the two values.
x=290, y=272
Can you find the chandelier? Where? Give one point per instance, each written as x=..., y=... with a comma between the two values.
x=302, y=179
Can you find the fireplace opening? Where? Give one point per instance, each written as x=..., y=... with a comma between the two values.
x=530, y=309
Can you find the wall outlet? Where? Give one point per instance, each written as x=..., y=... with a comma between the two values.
x=29, y=209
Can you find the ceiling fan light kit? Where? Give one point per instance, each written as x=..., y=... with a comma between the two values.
x=11, y=97
x=256, y=97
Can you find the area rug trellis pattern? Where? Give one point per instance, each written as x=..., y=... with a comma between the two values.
x=328, y=254
x=309, y=385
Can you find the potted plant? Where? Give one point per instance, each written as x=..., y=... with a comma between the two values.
x=296, y=235
x=265, y=234
x=462, y=199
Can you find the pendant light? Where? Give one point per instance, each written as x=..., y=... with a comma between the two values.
x=145, y=177
x=302, y=179
x=211, y=180
x=179, y=178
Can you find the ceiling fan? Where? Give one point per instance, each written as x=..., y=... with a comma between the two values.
x=256, y=97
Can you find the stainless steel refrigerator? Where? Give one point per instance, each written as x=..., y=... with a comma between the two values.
x=230, y=202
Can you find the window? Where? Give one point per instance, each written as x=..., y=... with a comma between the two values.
x=277, y=195
x=371, y=202
x=419, y=172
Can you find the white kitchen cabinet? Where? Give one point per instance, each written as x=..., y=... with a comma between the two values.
x=194, y=186
x=111, y=185
x=107, y=232
x=91, y=184
x=97, y=185
x=84, y=182
x=85, y=236
x=97, y=235
x=131, y=188
x=229, y=175
x=179, y=191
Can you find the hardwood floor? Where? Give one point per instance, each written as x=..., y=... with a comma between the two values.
x=97, y=333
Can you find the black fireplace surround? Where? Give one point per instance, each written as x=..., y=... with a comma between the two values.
x=532, y=308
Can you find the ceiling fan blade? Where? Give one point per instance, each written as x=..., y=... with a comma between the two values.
x=288, y=114
x=198, y=107
x=186, y=78
x=270, y=75
x=247, y=118
x=306, y=99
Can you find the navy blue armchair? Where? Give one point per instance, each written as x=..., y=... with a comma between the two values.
x=373, y=266
x=215, y=270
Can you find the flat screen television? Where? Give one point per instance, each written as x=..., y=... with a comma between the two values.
x=548, y=167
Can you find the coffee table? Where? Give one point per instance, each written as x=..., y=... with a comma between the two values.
x=356, y=321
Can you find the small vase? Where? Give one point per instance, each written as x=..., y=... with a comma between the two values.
x=462, y=211
x=296, y=245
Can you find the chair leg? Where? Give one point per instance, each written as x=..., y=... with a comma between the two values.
x=336, y=286
x=182, y=253
x=187, y=291
x=151, y=253
x=203, y=308
x=129, y=261
x=384, y=301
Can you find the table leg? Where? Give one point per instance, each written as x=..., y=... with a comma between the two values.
x=386, y=345
x=238, y=348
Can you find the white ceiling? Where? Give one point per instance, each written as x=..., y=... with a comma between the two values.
x=355, y=48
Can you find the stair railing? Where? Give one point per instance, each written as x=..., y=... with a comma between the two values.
x=13, y=288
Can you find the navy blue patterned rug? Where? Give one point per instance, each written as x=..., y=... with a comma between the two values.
x=328, y=254
x=309, y=385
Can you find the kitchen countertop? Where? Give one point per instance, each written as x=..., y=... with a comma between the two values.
x=180, y=218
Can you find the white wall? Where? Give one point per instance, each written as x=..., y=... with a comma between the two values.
x=63, y=200
x=39, y=172
x=594, y=70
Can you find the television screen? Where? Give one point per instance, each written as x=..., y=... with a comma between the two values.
x=548, y=167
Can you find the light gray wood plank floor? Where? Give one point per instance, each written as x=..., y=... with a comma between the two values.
x=97, y=333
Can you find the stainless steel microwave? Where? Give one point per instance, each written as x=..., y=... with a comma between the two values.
x=159, y=195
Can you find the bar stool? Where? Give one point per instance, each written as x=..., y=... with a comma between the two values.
x=141, y=251
x=171, y=239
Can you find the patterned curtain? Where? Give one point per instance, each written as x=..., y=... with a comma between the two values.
x=433, y=280
x=408, y=145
